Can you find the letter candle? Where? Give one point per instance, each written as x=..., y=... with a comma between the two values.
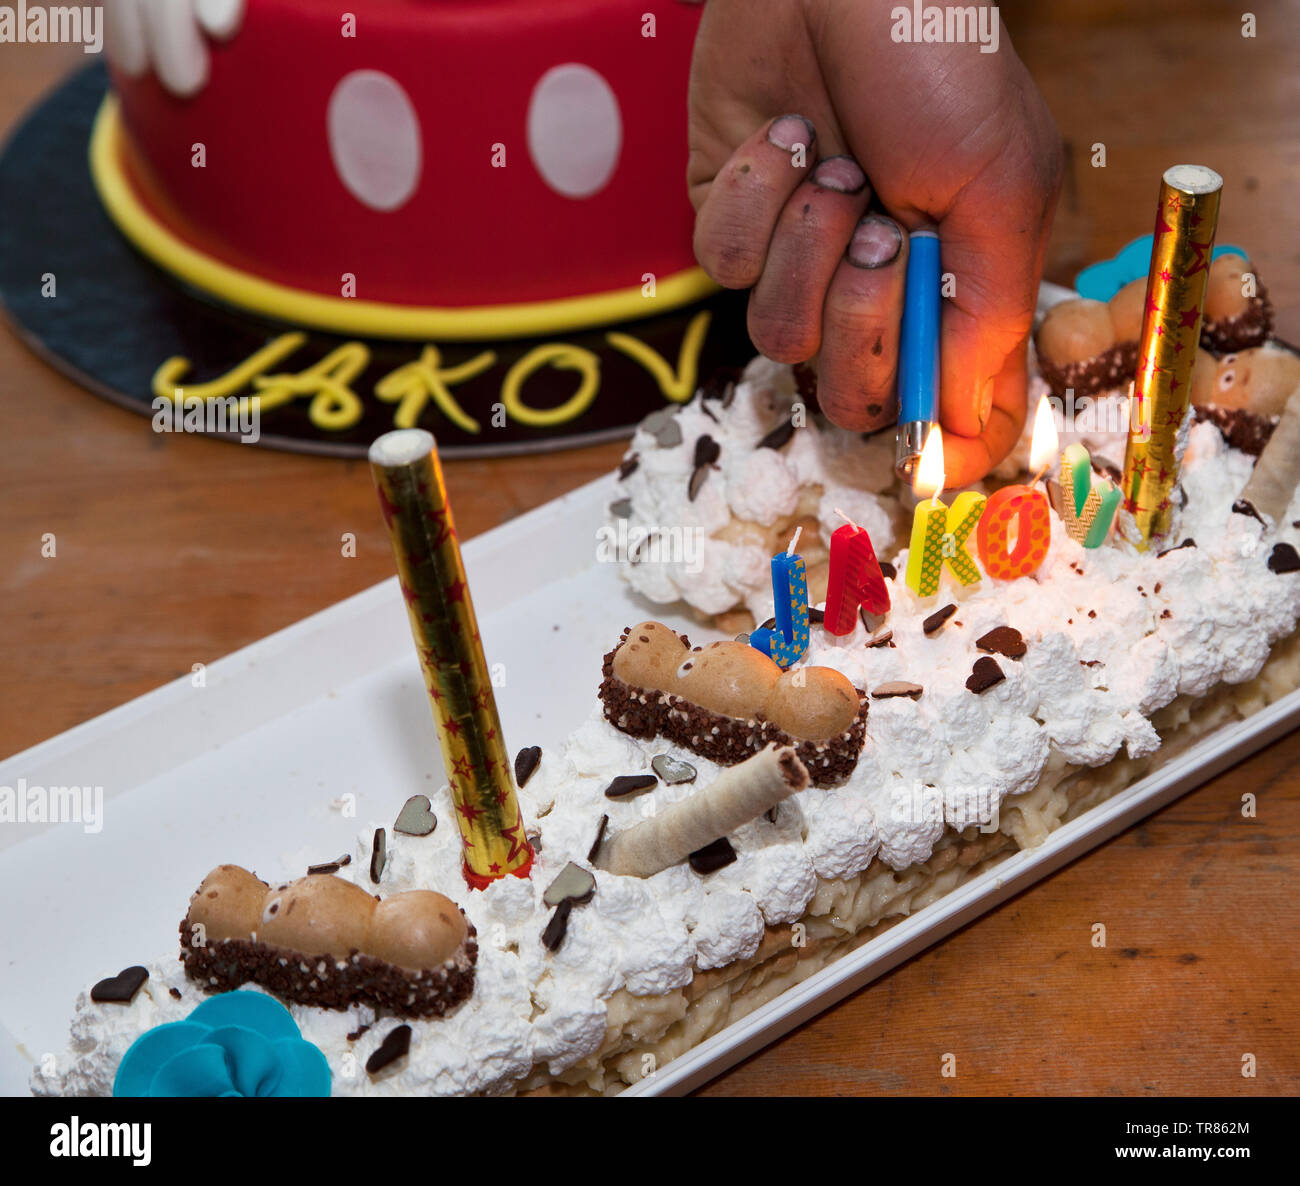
x=855, y=579
x=1026, y=507
x=786, y=644
x=939, y=532
x=413, y=498
x=1186, y=220
x=1088, y=502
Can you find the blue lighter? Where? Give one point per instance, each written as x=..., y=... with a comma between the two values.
x=918, y=350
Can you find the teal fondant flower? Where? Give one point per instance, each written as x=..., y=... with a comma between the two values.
x=238, y=1043
x=1101, y=281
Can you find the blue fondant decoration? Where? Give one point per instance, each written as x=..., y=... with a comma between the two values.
x=235, y=1044
x=1101, y=281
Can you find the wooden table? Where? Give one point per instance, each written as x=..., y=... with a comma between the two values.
x=173, y=550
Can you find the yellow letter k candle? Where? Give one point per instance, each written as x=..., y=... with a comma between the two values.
x=414, y=503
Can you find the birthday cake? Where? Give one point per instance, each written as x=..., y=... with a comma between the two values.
x=395, y=254
x=720, y=828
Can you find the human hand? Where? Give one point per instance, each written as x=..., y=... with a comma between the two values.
x=944, y=133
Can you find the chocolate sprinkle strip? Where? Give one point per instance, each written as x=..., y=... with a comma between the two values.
x=416, y=817
x=629, y=467
x=1284, y=558
x=1187, y=543
x=778, y=437
x=884, y=638
x=888, y=570
x=331, y=866
x=696, y=482
x=816, y=616
x=627, y=785
x=120, y=989
x=396, y=1044
x=985, y=675
x=1003, y=640
x=558, y=926
x=713, y=857
x=174, y=993
x=938, y=618
x=378, y=855
x=897, y=687
x=526, y=761
x=594, y=851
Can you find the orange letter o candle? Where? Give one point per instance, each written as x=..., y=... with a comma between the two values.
x=1028, y=509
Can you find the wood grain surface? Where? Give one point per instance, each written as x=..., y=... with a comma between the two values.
x=173, y=550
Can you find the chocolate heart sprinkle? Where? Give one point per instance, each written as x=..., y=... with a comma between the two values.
x=622, y=509
x=882, y=639
x=985, y=674
x=557, y=927
x=526, y=761
x=594, y=850
x=627, y=785
x=1243, y=506
x=573, y=884
x=707, y=450
x=778, y=437
x=378, y=855
x=629, y=467
x=396, y=1044
x=936, y=620
x=897, y=687
x=889, y=571
x=1284, y=558
x=416, y=817
x=770, y=624
x=713, y=857
x=120, y=989
x=870, y=622
x=672, y=770
x=1003, y=640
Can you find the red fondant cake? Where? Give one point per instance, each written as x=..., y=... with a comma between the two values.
x=435, y=154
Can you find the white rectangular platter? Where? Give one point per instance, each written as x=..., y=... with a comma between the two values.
x=247, y=767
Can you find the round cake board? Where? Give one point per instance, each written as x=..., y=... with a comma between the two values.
x=87, y=302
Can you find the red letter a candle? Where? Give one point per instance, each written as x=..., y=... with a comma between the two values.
x=855, y=580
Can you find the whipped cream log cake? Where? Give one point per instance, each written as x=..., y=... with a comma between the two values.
x=988, y=717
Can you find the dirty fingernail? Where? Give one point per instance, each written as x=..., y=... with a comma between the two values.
x=841, y=173
x=876, y=242
x=790, y=131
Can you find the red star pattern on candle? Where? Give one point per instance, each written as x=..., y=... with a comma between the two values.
x=453, y=726
x=387, y=508
x=1200, y=258
x=456, y=591
x=461, y=767
x=1188, y=318
x=517, y=842
x=469, y=811
x=1130, y=505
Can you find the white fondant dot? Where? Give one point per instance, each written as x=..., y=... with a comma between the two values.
x=124, y=39
x=575, y=130
x=220, y=18
x=178, y=50
x=374, y=139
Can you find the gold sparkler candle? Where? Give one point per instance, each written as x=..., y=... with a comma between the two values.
x=1171, y=329
x=413, y=499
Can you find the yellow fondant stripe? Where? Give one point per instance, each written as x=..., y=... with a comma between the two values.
x=372, y=319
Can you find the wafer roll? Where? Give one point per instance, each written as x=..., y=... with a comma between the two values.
x=735, y=797
x=1272, y=485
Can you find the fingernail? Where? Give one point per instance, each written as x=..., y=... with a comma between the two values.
x=876, y=242
x=841, y=173
x=985, y=404
x=790, y=131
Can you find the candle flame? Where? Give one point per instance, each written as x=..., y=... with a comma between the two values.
x=929, y=476
x=1044, y=445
